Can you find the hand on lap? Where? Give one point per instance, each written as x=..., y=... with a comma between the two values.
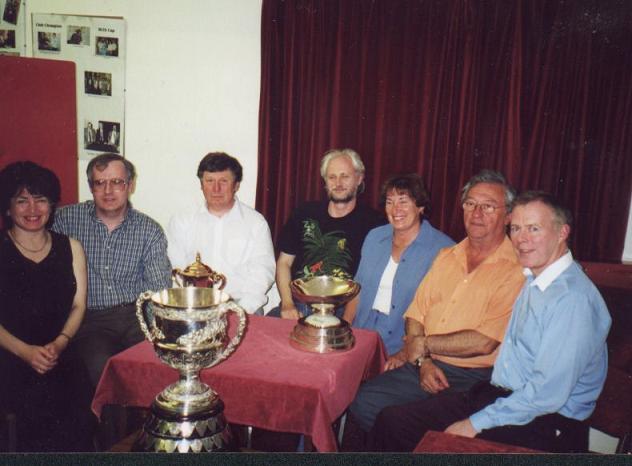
x=395, y=361
x=40, y=358
x=431, y=378
x=463, y=428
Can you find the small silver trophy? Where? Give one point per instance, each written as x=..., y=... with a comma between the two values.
x=198, y=274
x=322, y=331
x=187, y=327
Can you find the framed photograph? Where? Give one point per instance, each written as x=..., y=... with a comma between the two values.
x=105, y=136
x=107, y=46
x=49, y=41
x=11, y=11
x=78, y=35
x=96, y=83
x=7, y=39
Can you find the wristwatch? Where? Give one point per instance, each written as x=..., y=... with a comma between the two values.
x=419, y=361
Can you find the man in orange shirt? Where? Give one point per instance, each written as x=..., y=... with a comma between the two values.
x=458, y=317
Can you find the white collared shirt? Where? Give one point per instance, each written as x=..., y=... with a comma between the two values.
x=553, y=271
x=237, y=244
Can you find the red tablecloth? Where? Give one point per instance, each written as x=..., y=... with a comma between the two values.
x=440, y=442
x=265, y=383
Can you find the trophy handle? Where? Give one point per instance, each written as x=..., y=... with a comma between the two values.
x=175, y=274
x=232, y=345
x=139, y=313
x=218, y=278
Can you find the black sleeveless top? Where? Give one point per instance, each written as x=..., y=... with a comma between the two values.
x=36, y=298
x=53, y=409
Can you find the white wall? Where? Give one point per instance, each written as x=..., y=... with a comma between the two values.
x=192, y=80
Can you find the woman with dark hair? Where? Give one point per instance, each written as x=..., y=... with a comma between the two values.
x=395, y=258
x=42, y=302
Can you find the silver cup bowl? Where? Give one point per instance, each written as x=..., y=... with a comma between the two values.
x=322, y=331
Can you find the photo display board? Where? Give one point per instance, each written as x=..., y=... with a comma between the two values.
x=12, y=28
x=97, y=46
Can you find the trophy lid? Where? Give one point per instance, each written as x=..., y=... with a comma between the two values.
x=197, y=269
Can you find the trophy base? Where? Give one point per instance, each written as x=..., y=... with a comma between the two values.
x=322, y=339
x=166, y=432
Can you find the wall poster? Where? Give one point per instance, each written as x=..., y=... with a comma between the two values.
x=12, y=28
x=97, y=46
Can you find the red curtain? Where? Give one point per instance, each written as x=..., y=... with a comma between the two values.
x=538, y=89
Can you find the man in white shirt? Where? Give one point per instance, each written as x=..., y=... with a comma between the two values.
x=232, y=238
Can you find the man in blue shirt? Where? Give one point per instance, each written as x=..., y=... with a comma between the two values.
x=553, y=361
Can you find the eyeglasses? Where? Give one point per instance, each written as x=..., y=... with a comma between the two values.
x=470, y=206
x=117, y=184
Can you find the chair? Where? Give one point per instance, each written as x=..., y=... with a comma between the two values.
x=8, y=433
x=613, y=413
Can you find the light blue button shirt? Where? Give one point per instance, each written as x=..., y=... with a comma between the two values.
x=554, y=355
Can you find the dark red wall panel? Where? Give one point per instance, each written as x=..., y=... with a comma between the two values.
x=38, y=117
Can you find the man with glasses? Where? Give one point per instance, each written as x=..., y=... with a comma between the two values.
x=126, y=253
x=458, y=316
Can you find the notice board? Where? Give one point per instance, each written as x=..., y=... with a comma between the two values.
x=38, y=117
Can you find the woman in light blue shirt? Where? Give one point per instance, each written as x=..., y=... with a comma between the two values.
x=395, y=258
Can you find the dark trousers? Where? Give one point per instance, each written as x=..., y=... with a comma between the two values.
x=400, y=428
x=103, y=333
x=400, y=386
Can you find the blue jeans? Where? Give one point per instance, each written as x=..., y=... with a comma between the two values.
x=400, y=386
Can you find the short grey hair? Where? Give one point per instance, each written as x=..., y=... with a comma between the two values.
x=561, y=213
x=492, y=177
x=101, y=161
x=331, y=154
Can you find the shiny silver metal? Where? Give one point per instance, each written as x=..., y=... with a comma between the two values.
x=187, y=327
x=322, y=331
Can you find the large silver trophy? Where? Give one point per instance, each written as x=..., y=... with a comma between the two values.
x=322, y=331
x=187, y=327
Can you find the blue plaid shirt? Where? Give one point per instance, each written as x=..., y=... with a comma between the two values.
x=123, y=263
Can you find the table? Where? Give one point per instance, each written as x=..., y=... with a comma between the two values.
x=265, y=383
x=440, y=442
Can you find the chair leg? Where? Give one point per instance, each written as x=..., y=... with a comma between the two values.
x=249, y=437
x=625, y=444
x=12, y=441
x=341, y=428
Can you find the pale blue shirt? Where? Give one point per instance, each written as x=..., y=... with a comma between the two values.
x=553, y=357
